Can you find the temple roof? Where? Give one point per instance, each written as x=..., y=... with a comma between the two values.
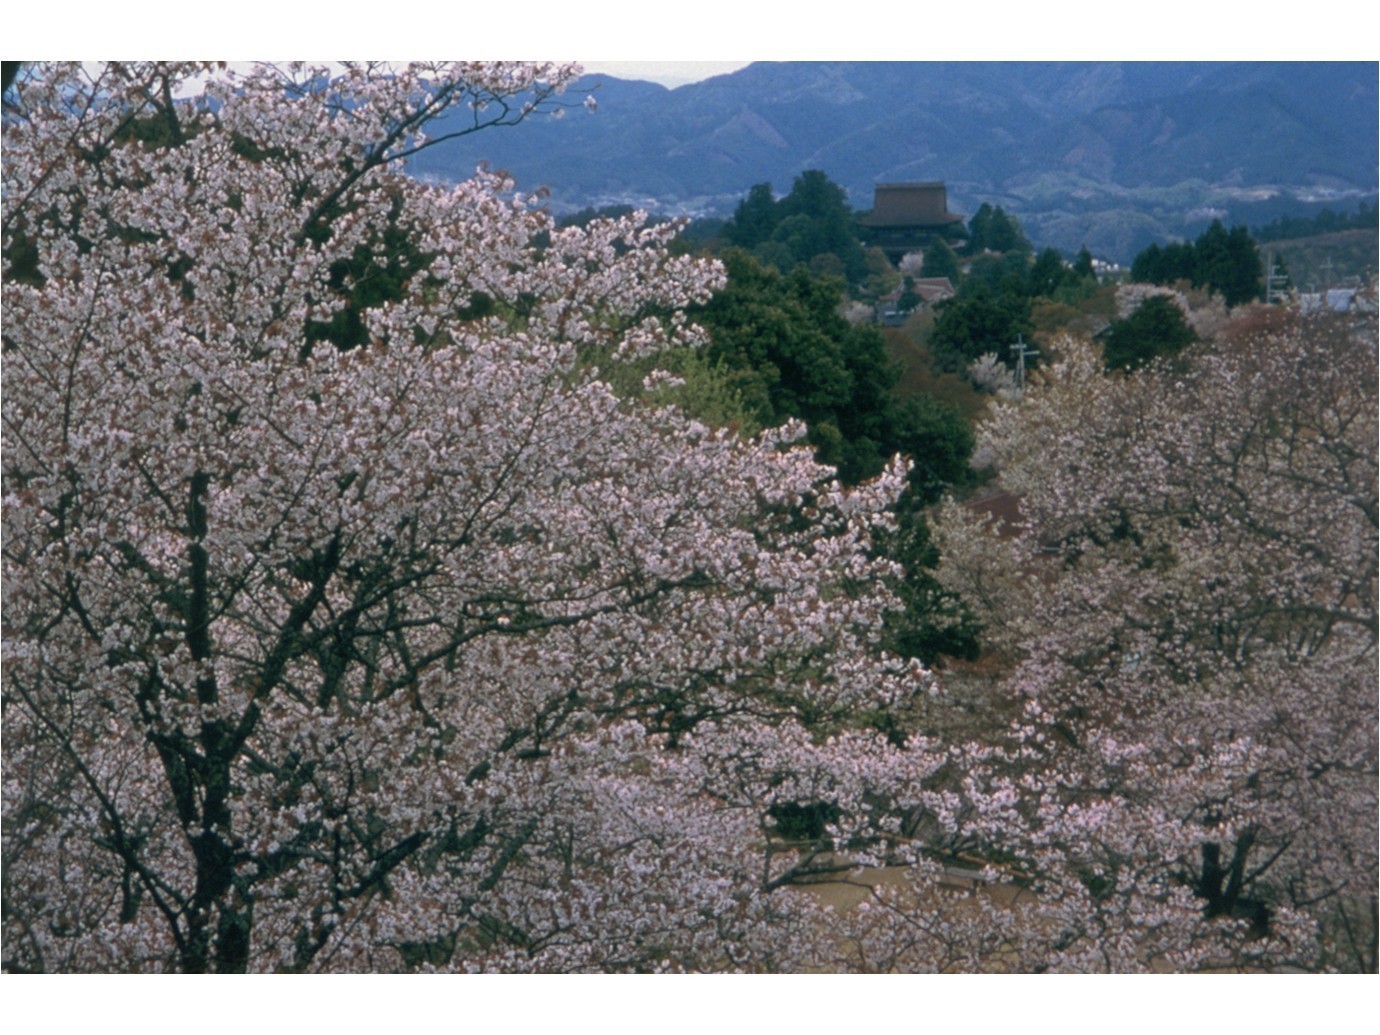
x=919, y=205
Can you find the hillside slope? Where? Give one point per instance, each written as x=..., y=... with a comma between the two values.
x=1110, y=154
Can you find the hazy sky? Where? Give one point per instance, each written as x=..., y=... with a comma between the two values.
x=667, y=73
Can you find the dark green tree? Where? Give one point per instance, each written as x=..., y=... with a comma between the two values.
x=1226, y=262
x=933, y=622
x=754, y=220
x=1240, y=278
x=1157, y=328
x=824, y=206
x=881, y=274
x=783, y=351
x=1147, y=266
x=939, y=443
x=1211, y=255
x=978, y=322
x=1285, y=228
x=1004, y=274
x=802, y=237
x=992, y=229
x=1180, y=263
x=776, y=255
x=789, y=353
x=941, y=261
x=375, y=274
x=812, y=220
x=1156, y=265
x=1083, y=265
x=908, y=299
x=1046, y=274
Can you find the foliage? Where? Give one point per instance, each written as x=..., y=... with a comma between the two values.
x=702, y=388
x=791, y=355
x=979, y=322
x=1000, y=273
x=1190, y=602
x=423, y=652
x=941, y=261
x=1322, y=263
x=754, y=219
x=992, y=229
x=425, y=640
x=810, y=225
x=934, y=623
x=1083, y=264
x=784, y=350
x=907, y=301
x=1168, y=265
x=881, y=277
x=1223, y=261
x=1227, y=263
x=1047, y=274
x=1156, y=328
x=1288, y=228
x=780, y=350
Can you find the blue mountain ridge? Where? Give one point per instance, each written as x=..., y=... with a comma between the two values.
x=1108, y=154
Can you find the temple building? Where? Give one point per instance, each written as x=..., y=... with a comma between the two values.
x=907, y=216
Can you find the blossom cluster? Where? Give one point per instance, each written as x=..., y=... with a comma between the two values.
x=412, y=648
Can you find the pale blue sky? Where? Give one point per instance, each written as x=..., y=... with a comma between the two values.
x=667, y=73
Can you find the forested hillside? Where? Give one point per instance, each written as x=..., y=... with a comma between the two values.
x=1114, y=155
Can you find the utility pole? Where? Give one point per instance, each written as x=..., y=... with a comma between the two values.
x=1274, y=282
x=1021, y=350
x=1327, y=269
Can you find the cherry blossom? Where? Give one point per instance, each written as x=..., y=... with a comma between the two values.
x=1189, y=610
x=424, y=651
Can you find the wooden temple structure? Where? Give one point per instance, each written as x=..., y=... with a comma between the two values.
x=907, y=216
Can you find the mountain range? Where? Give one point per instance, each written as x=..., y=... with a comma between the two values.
x=1112, y=155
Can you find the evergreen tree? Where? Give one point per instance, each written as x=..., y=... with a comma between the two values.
x=754, y=220
x=1157, y=328
x=1241, y=279
x=1083, y=265
x=821, y=222
x=941, y=261
x=1004, y=274
x=1212, y=256
x=812, y=220
x=1225, y=262
x=1148, y=265
x=991, y=229
x=881, y=274
x=979, y=322
x=1047, y=273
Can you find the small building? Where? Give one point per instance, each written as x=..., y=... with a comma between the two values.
x=933, y=290
x=905, y=217
x=1337, y=300
x=929, y=290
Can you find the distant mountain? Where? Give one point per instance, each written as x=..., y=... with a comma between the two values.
x=1111, y=154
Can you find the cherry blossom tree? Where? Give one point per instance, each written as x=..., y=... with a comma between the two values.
x=1189, y=605
x=417, y=648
